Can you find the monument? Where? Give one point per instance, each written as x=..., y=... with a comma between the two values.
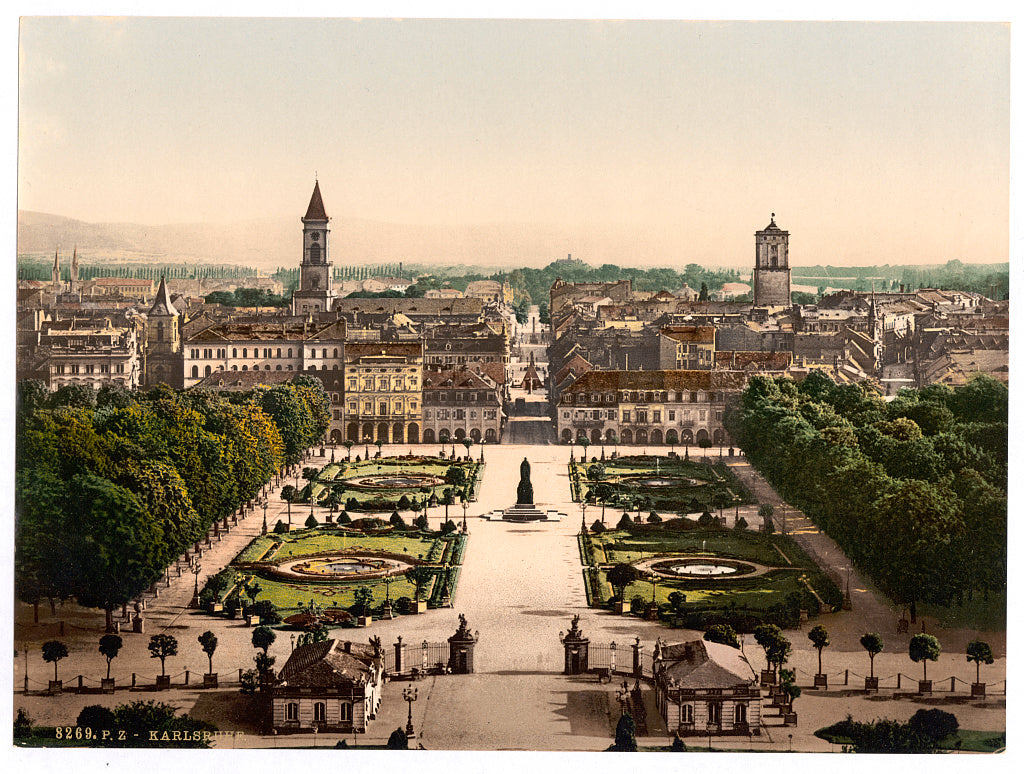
x=525, y=509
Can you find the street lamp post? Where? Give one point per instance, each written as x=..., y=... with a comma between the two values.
x=195, y=569
x=409, y=694
x=264, y=505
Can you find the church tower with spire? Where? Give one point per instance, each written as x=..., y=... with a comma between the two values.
x=771, y=267
x=316, y=272
x=55, y=272
x=164, y=363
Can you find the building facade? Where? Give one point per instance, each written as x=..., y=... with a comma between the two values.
x=706, y=688
x=328, y=686
x=647, y=407
x=771, y=267
x=383, y=392
x=461, y=404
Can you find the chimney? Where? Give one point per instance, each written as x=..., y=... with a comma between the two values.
x=348, y=646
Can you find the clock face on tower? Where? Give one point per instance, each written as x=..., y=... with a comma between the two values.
x=315, y=236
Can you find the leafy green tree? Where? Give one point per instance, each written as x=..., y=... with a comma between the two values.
x=723, y=634
x=620, y=577
x=420, y=576
x=935, y=724
x=819, y=639
x=363, y=601
x=97, y=718
x=980, y=653
x=153, y=724
x=110, y=646
x=924, y=648
x=53, y=652
x=208, y=641
x=398, y=740
x=263, y=637
x=162, y=646
x=873, y=644
x=115, y=545
x=625, y=734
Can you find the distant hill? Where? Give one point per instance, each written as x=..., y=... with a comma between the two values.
x=273, y=242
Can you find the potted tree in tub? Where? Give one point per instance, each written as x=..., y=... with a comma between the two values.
x=619, y=578
x=790, y=691
x=420, y=577
x=924, y=648
x=161, y=646
x=873, y=644
x=979, y=652
x=819, y=639
x=54, y=651
x=362, y=608
x=208, y=640
x=110, y=646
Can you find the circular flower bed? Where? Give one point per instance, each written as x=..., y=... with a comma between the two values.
x=705, y=568
x=383, y=481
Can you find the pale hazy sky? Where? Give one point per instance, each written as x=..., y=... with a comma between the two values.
x=884, y=142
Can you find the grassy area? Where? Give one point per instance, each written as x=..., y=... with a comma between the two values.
x=290, y=595
x=975, y=741
x=684, y=485
x=335, y=474
x=312, y=541
x=790, y=569
x=616, y=546
x=987, y=615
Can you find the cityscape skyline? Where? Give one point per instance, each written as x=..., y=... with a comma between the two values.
x=892, y=117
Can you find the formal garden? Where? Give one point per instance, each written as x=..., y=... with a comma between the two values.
x=339, y=574
x=657, y=483
x=408, y=483
x=695, y=574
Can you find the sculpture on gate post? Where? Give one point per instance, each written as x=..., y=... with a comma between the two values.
x=524, y=492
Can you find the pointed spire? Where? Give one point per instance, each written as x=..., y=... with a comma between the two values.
x=162, y=304
x=316, y=211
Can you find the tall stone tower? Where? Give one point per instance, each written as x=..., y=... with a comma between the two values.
x=316, y=273
x=164, y=362
x=55, y=271
x=771, y=269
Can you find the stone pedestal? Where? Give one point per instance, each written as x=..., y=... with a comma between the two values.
x=577, y=650
x=460, y=649
x=139, y=625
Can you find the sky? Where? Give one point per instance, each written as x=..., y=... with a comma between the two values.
x=872, y=142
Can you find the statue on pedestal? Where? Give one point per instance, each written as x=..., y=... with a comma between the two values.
x=524, y=492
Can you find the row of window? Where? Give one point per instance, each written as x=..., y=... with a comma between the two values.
x=714, y=713
x=75, y=368
x=267, y=352
x=698, y=396
x=459, y=414
x=291, y=712
x=641, y=416
x=382, y=383
x=442, y=397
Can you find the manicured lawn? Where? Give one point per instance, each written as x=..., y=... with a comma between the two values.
x=335, y=474
x=975, y=741
x=784, y=580
x=664, y=484
x=290, y=595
